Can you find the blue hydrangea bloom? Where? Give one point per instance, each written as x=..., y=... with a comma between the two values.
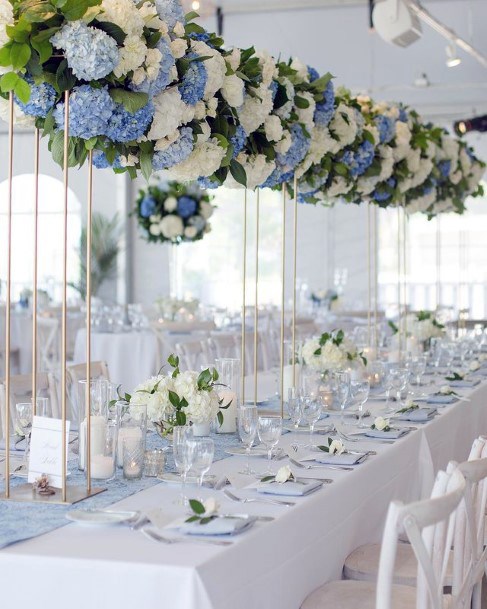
x=91, y=53
x=170, y=11
x=163, y=78
x=147, y=206
x=100, y=161
x=90, y=110
x=312, y=74
x=325, y=109
x=204, y=37
x=386, y=126
x=176, y=153
x=238, y=140
x=207, y=183
x=382, y=195
x=403, y=115
x=125, y=126
x=444, y=167
x=273, y=87
x=192, y=87
x=186, y=206
x=198, y=222
x=42, y=98
x=359, y=160
x=427, y=190
x=286, y=163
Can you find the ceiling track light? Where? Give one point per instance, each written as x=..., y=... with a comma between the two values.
x=452, y=58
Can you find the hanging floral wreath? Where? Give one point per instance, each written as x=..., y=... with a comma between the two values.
x=174, y=213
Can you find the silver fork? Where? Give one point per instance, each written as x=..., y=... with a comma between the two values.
x=190, y=539
x=256, y=500
x=308, y=466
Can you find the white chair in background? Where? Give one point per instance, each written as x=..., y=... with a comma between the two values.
x=221, y=345
x=429, y=525
x=21, y=391
x=192, y=355
x=263, y=361
x=48, y=343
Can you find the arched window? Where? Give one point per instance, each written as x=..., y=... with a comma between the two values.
x=50, y=234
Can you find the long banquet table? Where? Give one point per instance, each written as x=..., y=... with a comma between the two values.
x=272, y=566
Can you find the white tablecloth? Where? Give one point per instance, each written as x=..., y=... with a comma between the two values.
x=132, y=357
x=273, y=566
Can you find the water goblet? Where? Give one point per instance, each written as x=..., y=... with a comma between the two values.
x=341, y=388
x=312, y=407
x=399, y=380
x=247, y=420
x=269, y=430
x=201, y=456
x=294, y=407
x=24, y=412
x=359, y=391
x=181, y=435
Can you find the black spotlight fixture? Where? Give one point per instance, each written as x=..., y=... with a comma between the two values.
x=479, y=123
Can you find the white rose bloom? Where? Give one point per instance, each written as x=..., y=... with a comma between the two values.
x=215, y=67
x=179, y=29
x=255, y=110
x=257, y=169
x=283, y=474
x=305, y=115
x=179, y=47
x=156, y=218
x=171, y=226
x=233, y=59
x=211, y=506
x=148, y=12
x=139, y=76
x=170, y=113
x=336, y=447
x=155, y=229
x=123, y=13
x=366, y=185
x=474, y=366
x=381, y=423
x=233, y=90
x=445, y=390
x=206, y=210
x=273, y=128
x=132, y=56
x=190, y=232
x=20, y=119
x=204, y=160
x=170, y=204
x=301, y=69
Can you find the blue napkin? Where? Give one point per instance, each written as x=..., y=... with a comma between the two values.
x=464, y=383
x=441, y=399
x=218, y=526
x=343, y=459
x=419, y=415
x=291, y=489
x=392, y=434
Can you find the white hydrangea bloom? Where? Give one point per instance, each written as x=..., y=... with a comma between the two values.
x=257, y=168
x=268, y=66
x=321, y=143
x=172, y=226
x=255, y=110
x=344, y=126
x=132, y=55
x=6, y=18
x=339, y=186
x=215, y=67
x=273, y=128
x=285, y=110
x=301, y=69
x=402, y=141
x=158, y=405
x=20, y=119
x=123, y=13
x=233, y=59
x=170, y=113
x=422, y=204
x=206, y=210
x=233, y=90
x=204, y=160
x=285, y=143
x=305, y=115
x=179, y=46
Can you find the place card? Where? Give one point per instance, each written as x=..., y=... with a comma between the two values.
x=46, y=450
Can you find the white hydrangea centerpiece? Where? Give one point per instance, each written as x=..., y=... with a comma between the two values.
x=330, y=352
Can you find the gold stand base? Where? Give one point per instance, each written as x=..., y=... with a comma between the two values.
x=25, y=492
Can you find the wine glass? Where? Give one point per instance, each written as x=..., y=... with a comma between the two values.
x=399, y=380
x=24, y=412
x=201, y=451
x=247, y=429
x=341, y=389
x=269, y=430
x=312, y=407
x=359, y=392
x=181, y=435
x=43, y=408
x=294, y=407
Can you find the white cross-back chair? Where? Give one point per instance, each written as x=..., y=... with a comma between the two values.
x=429, y=526
x=263, y=361
x=21, y=391
x=48, y=342
x=192, y=354
x=223, y=345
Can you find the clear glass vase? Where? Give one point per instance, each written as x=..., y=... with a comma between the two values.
x=229, y=376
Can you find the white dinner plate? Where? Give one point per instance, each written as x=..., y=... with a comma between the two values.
x=97, y=518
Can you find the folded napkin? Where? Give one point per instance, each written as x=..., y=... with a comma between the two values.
x=218, y=526
x=291, y=489
x=464, y=383
x=419, y=415
x=16, y=443
x=392, y=434
x=343, y=459
x=441, y=399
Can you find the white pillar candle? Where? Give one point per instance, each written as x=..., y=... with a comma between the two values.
x=394, y=357
x=288, y=383
x=229, y=424
x=98, y=426
x=412, y=346
x=134, y=433
x=101, y=467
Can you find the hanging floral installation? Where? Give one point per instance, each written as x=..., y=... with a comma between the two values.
x=151, y=90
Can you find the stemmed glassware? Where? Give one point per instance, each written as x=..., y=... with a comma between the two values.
x=182, y=457
x=201, y=451
x=359, y=393
x=294, y=407
x=312, y=407
x=24, y=412
x=341, y=389
x=247, y=420
x=398, y=379
x=269, y=430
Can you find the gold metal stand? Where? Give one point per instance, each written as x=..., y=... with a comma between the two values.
x=295, y=256
x=256, y=306
x=404, y=276
x=399, y=308
x=244, y=283
x=438, y=263
x=283, y=293
x=34, y=282
x=369, y=278
x=376, y=281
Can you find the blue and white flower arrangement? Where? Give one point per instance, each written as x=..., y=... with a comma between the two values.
x=173, y=213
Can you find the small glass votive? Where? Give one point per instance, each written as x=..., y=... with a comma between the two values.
x=133, y=451
x=154, y=462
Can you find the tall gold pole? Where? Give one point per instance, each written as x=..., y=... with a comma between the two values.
x=64, y=297
x=256, y=306
x=438, y=263
x=283, y=292
x=399, y=279
x=89, y=216
x=9, y=294
x=244, y=280
x=34, y=291
x=369, y=280
x=405, y=281
x=295, y=257
x=376, y=280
